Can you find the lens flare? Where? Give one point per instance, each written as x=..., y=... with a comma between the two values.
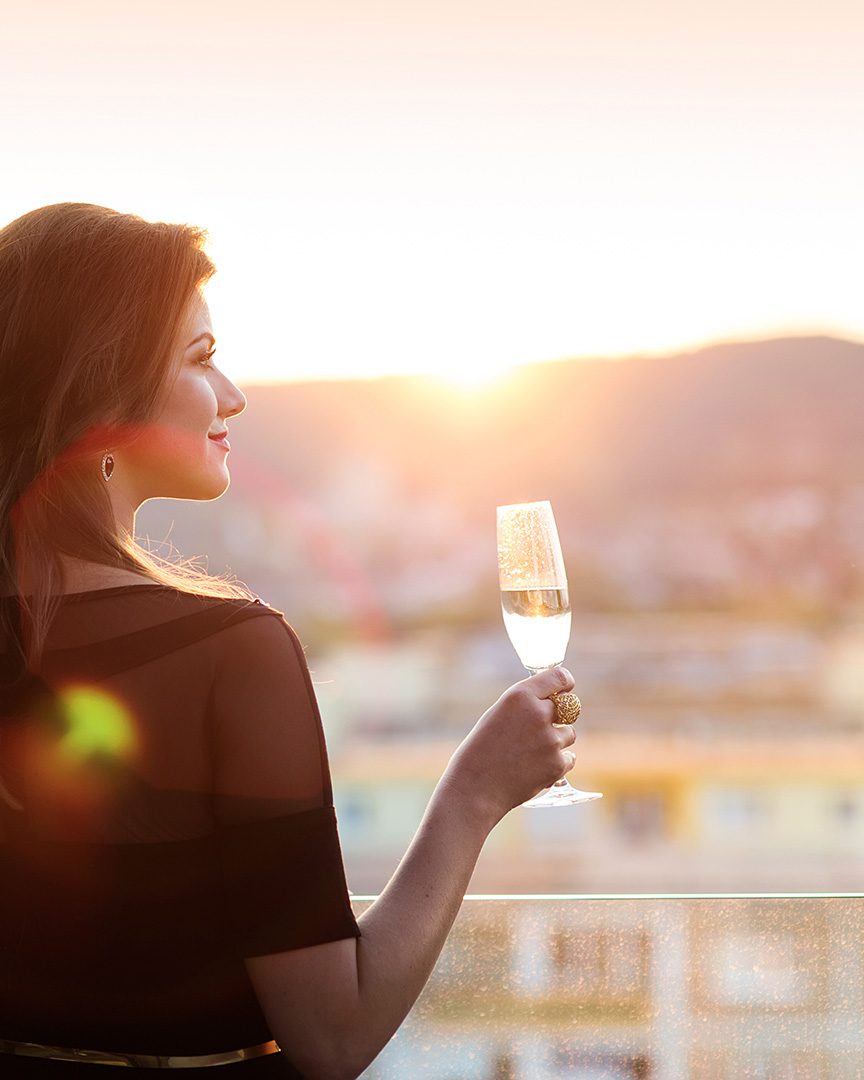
x=97, y=725
x=73, y=755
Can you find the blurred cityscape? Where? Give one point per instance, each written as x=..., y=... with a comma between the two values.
x=640, y=989
x=711, y=509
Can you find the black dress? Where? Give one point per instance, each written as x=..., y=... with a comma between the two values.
x=168, y=814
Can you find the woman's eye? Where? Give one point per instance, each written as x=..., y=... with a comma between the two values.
x=206, y=360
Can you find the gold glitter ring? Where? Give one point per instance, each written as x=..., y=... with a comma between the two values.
x=568, y=706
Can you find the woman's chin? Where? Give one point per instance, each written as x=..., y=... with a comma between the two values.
x=199, y=489
x=215, y=489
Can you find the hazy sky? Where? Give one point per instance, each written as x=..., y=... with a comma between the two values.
x=457, y=186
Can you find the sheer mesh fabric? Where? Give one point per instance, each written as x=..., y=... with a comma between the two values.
x=175, y=817
x=221, y=724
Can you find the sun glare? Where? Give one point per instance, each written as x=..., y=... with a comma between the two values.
x=474, y=377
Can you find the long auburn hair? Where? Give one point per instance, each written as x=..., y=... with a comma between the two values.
x=91, y=305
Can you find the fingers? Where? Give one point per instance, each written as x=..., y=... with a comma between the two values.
x=555, y=685
x=566, y=736
x=551, y=681
x=547, y=695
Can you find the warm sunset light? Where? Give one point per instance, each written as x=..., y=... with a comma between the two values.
x=457, y=188
x=474, y=376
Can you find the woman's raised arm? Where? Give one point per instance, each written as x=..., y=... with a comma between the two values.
x=333, y=1007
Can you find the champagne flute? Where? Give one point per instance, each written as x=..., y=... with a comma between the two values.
x=536, y=609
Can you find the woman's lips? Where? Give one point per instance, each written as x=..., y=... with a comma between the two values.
x=220, y=440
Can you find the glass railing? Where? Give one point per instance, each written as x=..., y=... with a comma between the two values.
x=648, y=987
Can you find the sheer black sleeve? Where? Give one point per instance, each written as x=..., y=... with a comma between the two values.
x=282, y=864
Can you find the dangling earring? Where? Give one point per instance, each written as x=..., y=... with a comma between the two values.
x=107, y=466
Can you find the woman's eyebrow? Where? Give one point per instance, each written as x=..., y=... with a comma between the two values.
x=202, y=337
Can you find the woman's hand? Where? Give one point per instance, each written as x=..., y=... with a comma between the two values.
x=516, y=749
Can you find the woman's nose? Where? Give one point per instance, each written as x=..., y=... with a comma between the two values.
x=232, y=399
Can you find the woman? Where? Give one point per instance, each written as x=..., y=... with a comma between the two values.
x=171, y=886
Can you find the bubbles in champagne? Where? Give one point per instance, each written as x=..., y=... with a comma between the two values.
x=529, y=552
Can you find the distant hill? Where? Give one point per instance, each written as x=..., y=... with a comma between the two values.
x=405, y=472
x=769, y=412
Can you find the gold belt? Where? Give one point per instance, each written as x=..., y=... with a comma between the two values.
x=135, y=1061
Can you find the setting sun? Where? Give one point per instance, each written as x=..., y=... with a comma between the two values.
x=473, y=376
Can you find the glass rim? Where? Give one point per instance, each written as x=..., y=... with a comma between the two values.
x=523, y=505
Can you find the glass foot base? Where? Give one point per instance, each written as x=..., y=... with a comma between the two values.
x=562, y=794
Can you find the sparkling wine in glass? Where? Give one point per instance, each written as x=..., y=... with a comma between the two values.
x=536, y=605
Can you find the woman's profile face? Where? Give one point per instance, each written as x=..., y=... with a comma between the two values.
x=182, y=453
